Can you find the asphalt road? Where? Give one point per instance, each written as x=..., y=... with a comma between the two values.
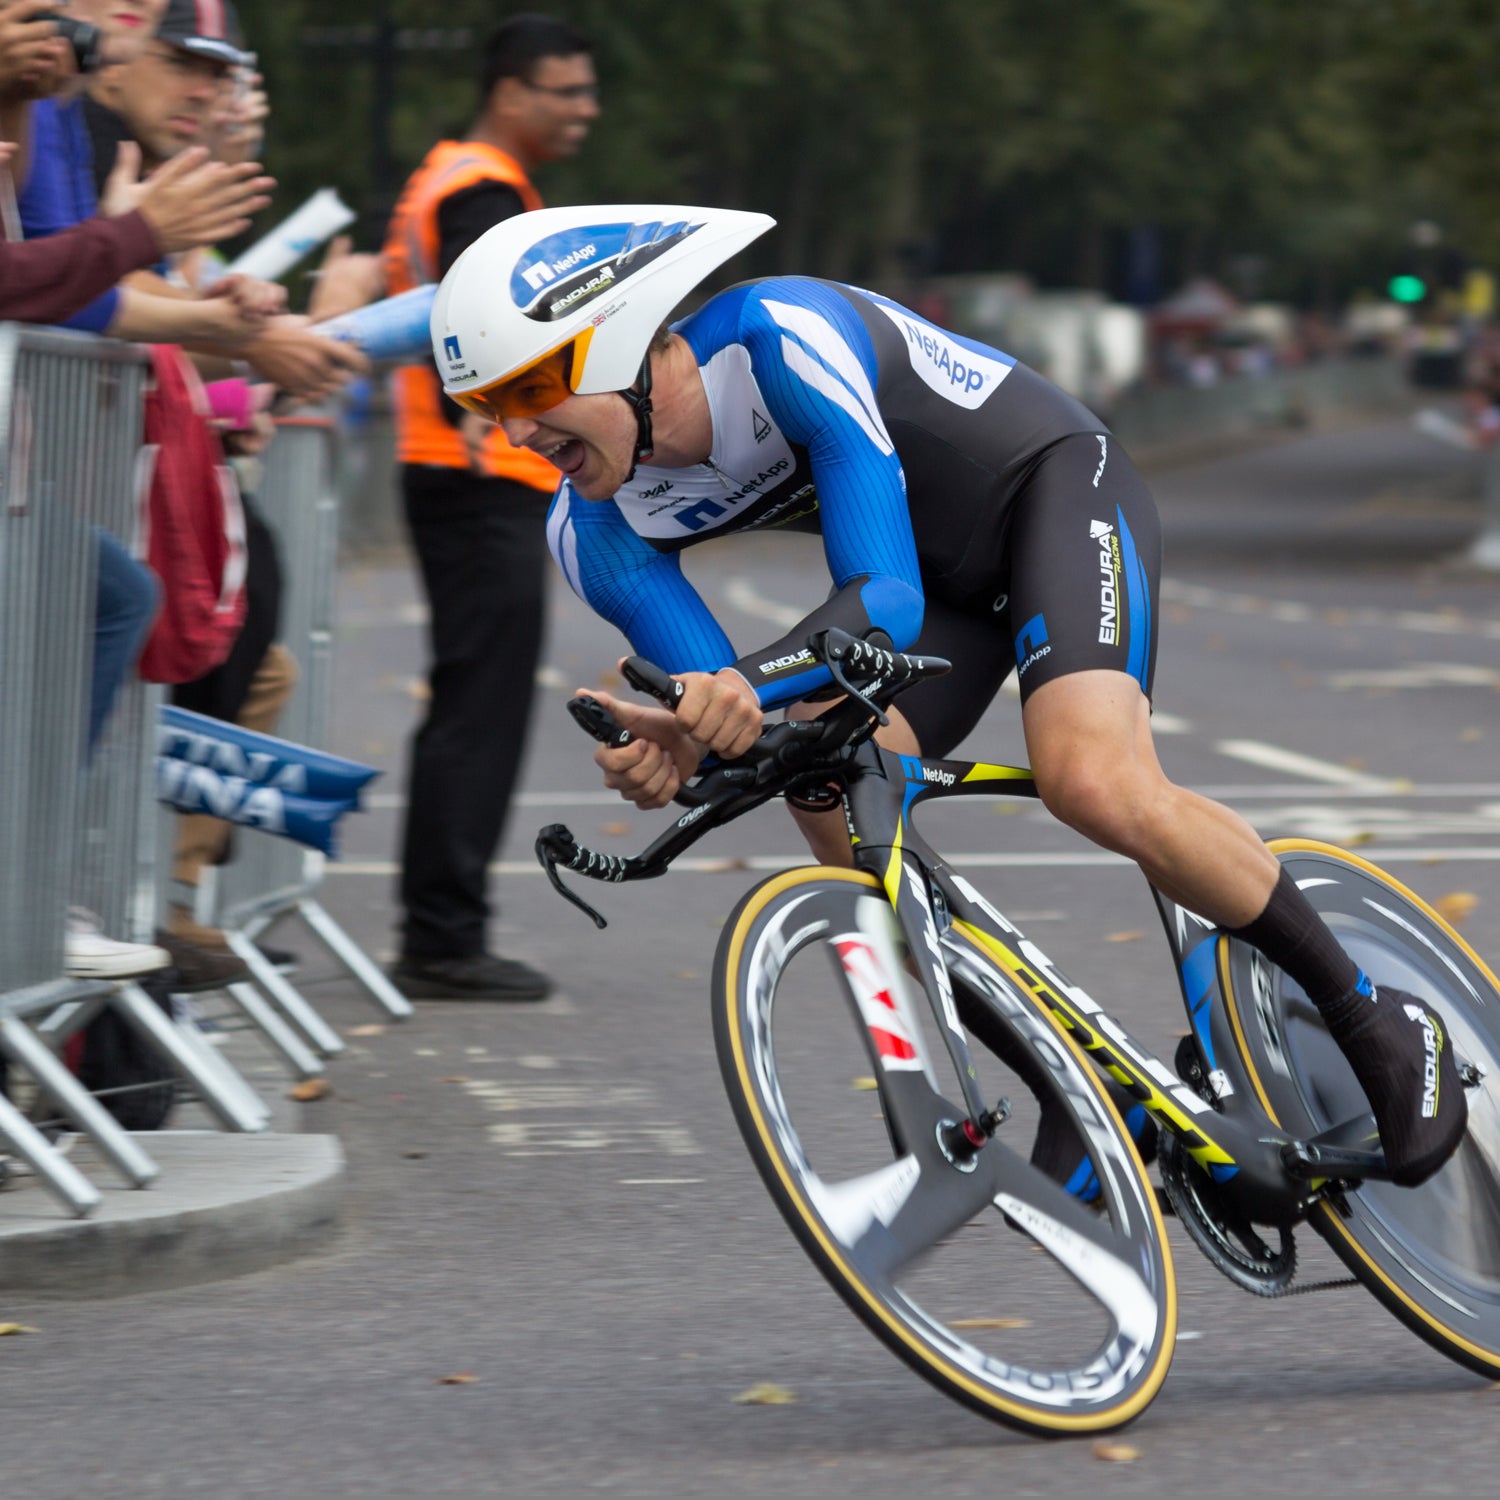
x=553, y=1199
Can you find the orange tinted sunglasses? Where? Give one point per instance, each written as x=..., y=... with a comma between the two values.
x=543, y=384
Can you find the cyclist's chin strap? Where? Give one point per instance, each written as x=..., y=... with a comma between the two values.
x=639, y=399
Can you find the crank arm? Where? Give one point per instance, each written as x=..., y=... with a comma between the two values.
x=1342, y=1151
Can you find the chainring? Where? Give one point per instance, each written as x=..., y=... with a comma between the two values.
x=1229, y=1241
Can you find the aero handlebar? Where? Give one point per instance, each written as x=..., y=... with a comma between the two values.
x=786, y=757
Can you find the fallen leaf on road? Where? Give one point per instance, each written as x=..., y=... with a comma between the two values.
x=615, y=830
x=990, y=1323
x=1455, y=906
x=1354, y=762
x=309, y=1088
x=414, y=1155
x=1468, y=736
x=687, y=974
x=455, y=1078
x=373, y=1029
x=1124, y=937
x=419, y=689
x=1364, y=836
x=719, y=866
x=9, y=1328
x=1116, y=1453
x=864, y=1084
x=463, y=1378
x=765, y=1394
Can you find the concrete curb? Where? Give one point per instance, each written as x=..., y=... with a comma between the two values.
x=223, y=1206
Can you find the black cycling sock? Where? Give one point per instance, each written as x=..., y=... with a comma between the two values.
x=1297, y=940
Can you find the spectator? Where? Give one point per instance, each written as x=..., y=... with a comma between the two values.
x=168, y=95
x=476, y=508
x=188, y=205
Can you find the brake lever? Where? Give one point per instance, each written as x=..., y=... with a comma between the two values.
x=556, y=843
x=833, y=655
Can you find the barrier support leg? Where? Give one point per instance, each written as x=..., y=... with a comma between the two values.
x=299, y=1058
x=75, y=1101
x=286, y=995
x=62, y=1179
x=355, y=959
x=230, y=1099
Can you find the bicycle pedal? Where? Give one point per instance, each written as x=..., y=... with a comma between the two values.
x=1468, y=1074
x=1341, y=1151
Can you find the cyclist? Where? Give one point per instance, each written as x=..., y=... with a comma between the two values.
x=969, y=509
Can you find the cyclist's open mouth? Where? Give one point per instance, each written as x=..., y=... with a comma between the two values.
x=567, y=456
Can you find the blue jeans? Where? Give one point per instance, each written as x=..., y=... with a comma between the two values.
x=125, y=605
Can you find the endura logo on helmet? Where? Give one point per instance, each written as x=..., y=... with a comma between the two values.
x=569, y=269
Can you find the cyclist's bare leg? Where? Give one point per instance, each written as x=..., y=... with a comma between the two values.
x=826, y=833
x=1089, y=739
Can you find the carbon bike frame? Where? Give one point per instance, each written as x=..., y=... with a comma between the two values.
x=1232, y=1140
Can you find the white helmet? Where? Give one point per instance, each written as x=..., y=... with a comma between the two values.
x=566, y=300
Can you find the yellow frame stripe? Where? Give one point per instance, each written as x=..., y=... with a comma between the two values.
x=1160, y=1104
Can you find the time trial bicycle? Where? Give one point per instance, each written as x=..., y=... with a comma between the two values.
x=901, y=976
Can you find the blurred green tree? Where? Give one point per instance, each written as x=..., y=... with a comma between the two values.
x=892, y=139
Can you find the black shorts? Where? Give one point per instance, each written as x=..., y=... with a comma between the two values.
x=1075, y=591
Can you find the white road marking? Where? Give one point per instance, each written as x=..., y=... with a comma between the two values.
x=657, y=1181
x=1200, y=596
x=741, y=594
x=1274, y=758
x=1418, y=675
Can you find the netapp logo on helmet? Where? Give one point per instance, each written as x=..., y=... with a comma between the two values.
x=567, y=270
x=956, y=371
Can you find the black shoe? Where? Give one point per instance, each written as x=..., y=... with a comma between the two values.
x=196, y=968
x=283, y=960
x=475, y=976
x=1401, y=1055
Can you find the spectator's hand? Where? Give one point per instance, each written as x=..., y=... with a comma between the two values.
x=259, y=299
x=237, y=125
x=32, y=55
x=228, y=324
x=301, y=362
x=189, y=200
x=648, y=771
x=345, y=281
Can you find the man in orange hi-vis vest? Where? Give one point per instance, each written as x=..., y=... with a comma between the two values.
x=476, y=509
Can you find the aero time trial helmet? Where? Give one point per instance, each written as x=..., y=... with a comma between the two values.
x=565, y=300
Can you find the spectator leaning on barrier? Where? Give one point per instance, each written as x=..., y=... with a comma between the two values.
x=162, y=102
x=191, y=204
x=476, y=508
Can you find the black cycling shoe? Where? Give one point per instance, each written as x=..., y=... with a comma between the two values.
x=1402, y=1056
x=474, y=976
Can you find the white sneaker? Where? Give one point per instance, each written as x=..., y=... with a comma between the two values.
x=88, y=954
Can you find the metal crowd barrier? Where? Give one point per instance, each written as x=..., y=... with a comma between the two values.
x=270, y=878
x=70, y=440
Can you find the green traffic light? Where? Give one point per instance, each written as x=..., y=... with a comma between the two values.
x=1407, y=288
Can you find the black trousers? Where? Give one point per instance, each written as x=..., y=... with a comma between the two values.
x=482, y=547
